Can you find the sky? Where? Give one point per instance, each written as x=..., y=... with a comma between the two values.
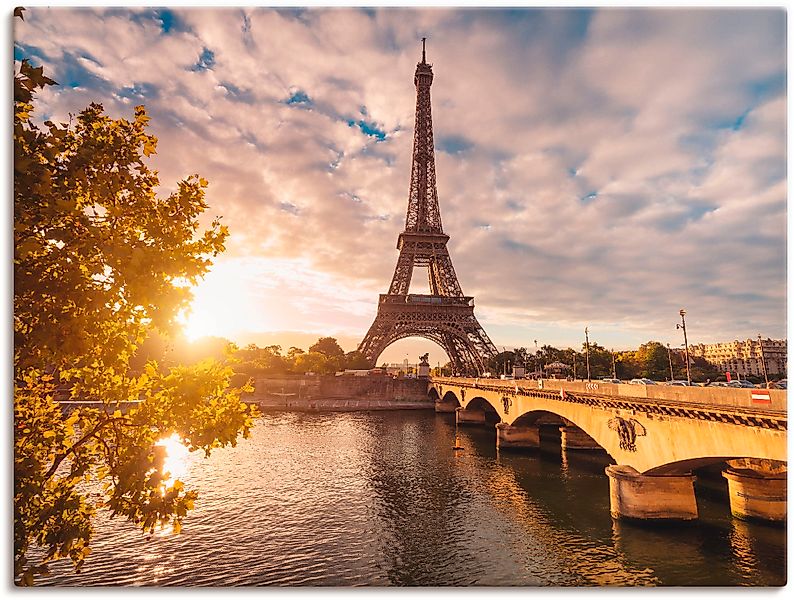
x=596, y=168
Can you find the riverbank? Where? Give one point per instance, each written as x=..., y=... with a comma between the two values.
x=337, y=404
x=343, y=393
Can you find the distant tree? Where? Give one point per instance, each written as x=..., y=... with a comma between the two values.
x=332, y=351
x=328, y=346
x=314, y=362
x=626, y=365
x=501, y=363
x=699, y=368
x=263, y=361
x=521, y=356
x=100, y=263
x=356, y=360
x=653, y=361
x=600, y=361
x=293, y=353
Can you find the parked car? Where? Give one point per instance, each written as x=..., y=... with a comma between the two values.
x=610, y=380
x=678, y=382
x=642, y=381
x=718, y=384
x=778, y=385
x=742, y=383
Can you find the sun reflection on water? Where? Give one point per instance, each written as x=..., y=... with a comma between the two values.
x=176, y=459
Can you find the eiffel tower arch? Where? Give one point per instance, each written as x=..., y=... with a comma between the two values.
x=444, y=316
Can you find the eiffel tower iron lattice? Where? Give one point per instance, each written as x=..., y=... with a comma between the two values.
x=444, y=316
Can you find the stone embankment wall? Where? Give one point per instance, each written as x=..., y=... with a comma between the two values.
x=340, y=393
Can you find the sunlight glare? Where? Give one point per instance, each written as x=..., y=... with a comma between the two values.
x=222, y=305
x=176, y=455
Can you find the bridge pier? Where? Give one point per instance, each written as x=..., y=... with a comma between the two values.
x=510, y=436
x=757, y=493
x=636, y=496
x=471, y=416
x=446, y=407
x=573, y=438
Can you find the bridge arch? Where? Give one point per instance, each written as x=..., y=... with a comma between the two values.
x=460, y=350
x=572, y=435
x=437, y=348
x=450, y=397
x=477, y=403
x=683, y=467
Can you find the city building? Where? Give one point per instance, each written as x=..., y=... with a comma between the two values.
x=743, y=357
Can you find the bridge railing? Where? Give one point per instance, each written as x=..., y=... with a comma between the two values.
x=758, y=399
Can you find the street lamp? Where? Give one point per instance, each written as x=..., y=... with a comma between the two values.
x=614, y=370
x=536, y=360
x=682, y=325
x=763, y=360
x=670, y=358
x=587, y=352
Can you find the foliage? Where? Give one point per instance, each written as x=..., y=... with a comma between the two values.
x=328, y=346
x=314, y=362
x=100, y=263
x=355, y=360
x=325, y=357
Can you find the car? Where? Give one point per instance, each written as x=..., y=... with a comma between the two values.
x=741, y=383
x=717, y=384
x=778, y=385
x=610, y=380
x=678, y=382
x=642, y=381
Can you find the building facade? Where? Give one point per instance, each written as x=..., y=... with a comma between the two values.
x=743, y=357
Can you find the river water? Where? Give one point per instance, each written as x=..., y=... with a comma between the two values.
x=382, y=499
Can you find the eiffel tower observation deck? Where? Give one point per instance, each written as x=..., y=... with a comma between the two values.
x=444, y=316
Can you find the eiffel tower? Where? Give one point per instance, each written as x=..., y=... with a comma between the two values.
x=444, y=316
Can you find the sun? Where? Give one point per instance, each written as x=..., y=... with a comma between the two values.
x=222, y=305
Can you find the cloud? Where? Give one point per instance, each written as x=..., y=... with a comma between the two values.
x=594, y=167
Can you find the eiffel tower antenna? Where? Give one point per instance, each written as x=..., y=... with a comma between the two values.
x=444, y=316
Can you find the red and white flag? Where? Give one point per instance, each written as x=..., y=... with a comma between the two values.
x=760, y=397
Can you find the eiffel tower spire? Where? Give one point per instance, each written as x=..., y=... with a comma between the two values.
x=423, y=212
x=445, y=316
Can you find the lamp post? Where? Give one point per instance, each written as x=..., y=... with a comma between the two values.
x=670, y=358
x=763, y=360
x=682, y=325
x=587, y=352
x=536, y=360
x=614, y=370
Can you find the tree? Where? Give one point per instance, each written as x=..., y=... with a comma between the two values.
x=293, y=353
x=100, y=264
x=356, y=360
x=653, y=361
x=501, y=363
x=328, y=346
x=314, y=362
x=600, y=361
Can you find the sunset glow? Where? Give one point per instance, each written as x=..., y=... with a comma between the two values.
x=606, y=193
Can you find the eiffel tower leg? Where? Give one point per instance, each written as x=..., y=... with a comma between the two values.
x=401, y=282
x=378, y=337
x=442, y=275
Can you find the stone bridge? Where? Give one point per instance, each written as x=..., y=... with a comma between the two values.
x=656, y=436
